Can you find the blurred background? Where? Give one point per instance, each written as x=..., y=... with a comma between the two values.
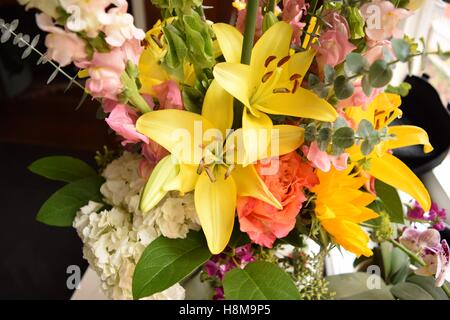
x=38, y=120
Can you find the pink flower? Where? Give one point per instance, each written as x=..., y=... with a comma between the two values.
x=375, y=51
x=382, y=19
x=358, y=98
x=122, y=120
x=434, y=252
x=240, y=22
x=293, y=11
x=322, y=160
x=62, y=46
x=169, y=95
x=334, y=45
x=153, y=153
x=105, y=69
x=265, y=223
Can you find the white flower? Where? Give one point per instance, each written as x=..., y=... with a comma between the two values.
x=46, y=6
x=115, y=239
x=119, y=27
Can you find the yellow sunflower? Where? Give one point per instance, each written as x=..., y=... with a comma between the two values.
x=341, y=206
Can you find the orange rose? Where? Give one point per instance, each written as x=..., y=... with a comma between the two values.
x=263, y=222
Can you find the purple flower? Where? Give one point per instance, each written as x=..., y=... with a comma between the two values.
x=435, y=216
x=220, y=264
x=416, y=212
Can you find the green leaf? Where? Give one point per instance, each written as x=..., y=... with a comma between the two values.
x=177, y=49
x=403, y=89
x=348, y=285
x=344, y=137
x=401, y=49
x=365, y=128
x=324, y=137
x=391, y=201
x=356, y=22
x=60, y=209
x=343, y=88
x=399, y=266
x=374, y=294
x=380, y=74
x=310, y=132
x=410, y=291
x=367, y=88
x=428, y=284
x=167, y=261
x=259, y=280
x=62, y=168
x=329, y=73
x=355, y=63
x=367, y=147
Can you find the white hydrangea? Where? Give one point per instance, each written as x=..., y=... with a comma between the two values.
x=115, y=239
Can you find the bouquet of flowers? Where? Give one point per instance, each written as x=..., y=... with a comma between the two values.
x=240, y=144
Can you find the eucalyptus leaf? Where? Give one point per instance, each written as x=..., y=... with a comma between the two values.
x=344, y=137
x=343, y=88
x=355, y=63
x=401, y=49
x=380, y=74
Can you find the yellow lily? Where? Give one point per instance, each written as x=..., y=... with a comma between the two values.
x=215, y=173
x=383, y=165
x=270, y=84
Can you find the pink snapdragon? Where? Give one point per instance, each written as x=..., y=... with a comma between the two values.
x=376, y=48
x=105, y=69
x=334, y=45
x=434, y=252
x=241, y=15
x=62, y=46
x=382, y=19
x=122, y=120
x=322, y=160
x=169, y=95
x=293, y=12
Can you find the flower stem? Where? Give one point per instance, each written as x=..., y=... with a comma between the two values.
x=410, y=254
x=246, y=55
x=249, y=33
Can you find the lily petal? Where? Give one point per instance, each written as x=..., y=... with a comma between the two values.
x=234, y=78
x=249, y=184
x=230, y=41
x=289, y=139
x=215, y=203
x=185, y=181
x=218, y=107
x=303, y=104
x=154, y=190
x=180, y=132
x=274, y=42
x=394, y=172
x=408, y=136
x=256, y=131
x=299, y=64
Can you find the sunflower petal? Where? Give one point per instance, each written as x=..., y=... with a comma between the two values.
x=230, y=41
x=154, y=190
x=249, y=184
x=234, y=78
x=180, y=132
x=215, y=203
x=303, y=104
x=218, y=107
x=394, y=172
x=408, y=136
